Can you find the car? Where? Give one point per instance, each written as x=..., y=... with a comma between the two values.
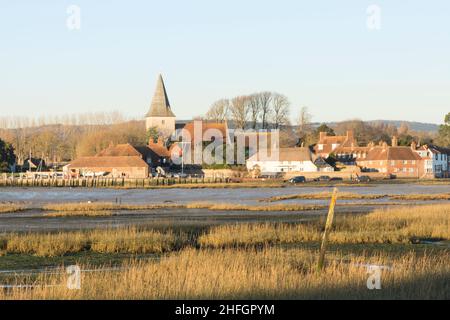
x=363, y=179
x=323, y=178
x=180, y=175
x=299, y=179
x=336, y=179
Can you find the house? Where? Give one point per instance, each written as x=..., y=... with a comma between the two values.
x=115, y=166
x=34, y=164
x=393, y=161
x=289, y=160
x=436, y=160
x=329, y=144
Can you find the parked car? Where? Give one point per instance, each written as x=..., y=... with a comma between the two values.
x=336, y=179
x=299, y=179
x=180, y=175
x=363, y=179
x=323, y=178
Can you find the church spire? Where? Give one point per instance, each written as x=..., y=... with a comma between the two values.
x=160, y=106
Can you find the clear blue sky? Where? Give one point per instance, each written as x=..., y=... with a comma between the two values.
x=319, y=53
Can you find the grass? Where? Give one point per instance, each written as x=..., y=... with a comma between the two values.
x=105, y=206
x=91, y=213
x=124, y=240
x=271, y=273
x=11, y=208
x=354, y=196
x=245, y=261
x=399, y=225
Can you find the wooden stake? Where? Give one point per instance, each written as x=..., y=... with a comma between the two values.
x=327, y=231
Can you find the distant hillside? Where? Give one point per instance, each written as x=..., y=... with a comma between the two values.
x=414, y=126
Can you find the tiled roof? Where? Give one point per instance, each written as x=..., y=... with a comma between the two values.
x=108, y=162
x=119, y=150
x=160, y=106
x=220, y=126
x=392, y=153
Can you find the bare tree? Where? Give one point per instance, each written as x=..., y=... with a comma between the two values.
x=255, y=108
x=280, y=110
x=239, y=110
x=264, y=101
x=219, y=110
x=304, y=122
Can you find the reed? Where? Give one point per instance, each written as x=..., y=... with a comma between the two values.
x=248, y=274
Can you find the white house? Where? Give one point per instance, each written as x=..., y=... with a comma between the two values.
x=436, y=161
x=289, y=160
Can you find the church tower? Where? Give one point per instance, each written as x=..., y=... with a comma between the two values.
x=160, y=114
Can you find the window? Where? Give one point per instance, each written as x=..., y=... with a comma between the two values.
x=320, y=146
x=405, y=161
x=392, y=163
x=163, y=121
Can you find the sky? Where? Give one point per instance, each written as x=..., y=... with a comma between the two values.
x=320, y=54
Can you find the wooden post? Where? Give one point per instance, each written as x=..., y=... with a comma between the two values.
x=328, y=226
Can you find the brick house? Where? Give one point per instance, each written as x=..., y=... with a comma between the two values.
x=329, y=144
x=393, y=161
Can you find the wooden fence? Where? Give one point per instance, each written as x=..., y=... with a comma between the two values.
x=105, y=182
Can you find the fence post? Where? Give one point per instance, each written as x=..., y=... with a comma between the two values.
x=328, y=226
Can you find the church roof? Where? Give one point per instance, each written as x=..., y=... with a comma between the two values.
x=160, y=106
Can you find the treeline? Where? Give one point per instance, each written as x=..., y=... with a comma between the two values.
x=61, y=142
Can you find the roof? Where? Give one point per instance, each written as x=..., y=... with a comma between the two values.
x=289, y=154
x=327, y=141
x=119, y=150
x=435, y=149
x=160, y=106
x=108, y=162
x=391, y=153
x=222, y=127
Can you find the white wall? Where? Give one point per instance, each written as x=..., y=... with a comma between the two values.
x=282, y=166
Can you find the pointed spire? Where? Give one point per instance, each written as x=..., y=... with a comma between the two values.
x=160, y=106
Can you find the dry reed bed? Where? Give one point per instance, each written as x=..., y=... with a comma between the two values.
x=247, y=274
x=124, y=240
x=356, y=196
x=86, y=208
x=11, y=208
x=399, y=225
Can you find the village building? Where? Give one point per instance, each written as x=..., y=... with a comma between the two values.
x=34, y=164
x=436, y=160
x=289, y=160
x=330, y=144
x=116, y=167
x=393, y=161
x=160, y=115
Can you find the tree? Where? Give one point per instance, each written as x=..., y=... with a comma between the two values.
x=444, y=132
x=218, y=111
x=254, y=108
x=153, y=134
x=265, y=99
x=239, y=109
x=280, y=110
x=7, y=157
x=324, y=128
x=304, y=123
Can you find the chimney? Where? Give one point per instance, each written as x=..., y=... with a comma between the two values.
x=394, y=141
x=322, y=135
x=350, y=134
x=413, y=145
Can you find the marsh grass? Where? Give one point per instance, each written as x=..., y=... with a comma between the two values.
x=399, y=225
x=242, y=207
x=92, y=213
x=11, y=208
x=271, y=273
x=124, y=240
x=356, y=196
